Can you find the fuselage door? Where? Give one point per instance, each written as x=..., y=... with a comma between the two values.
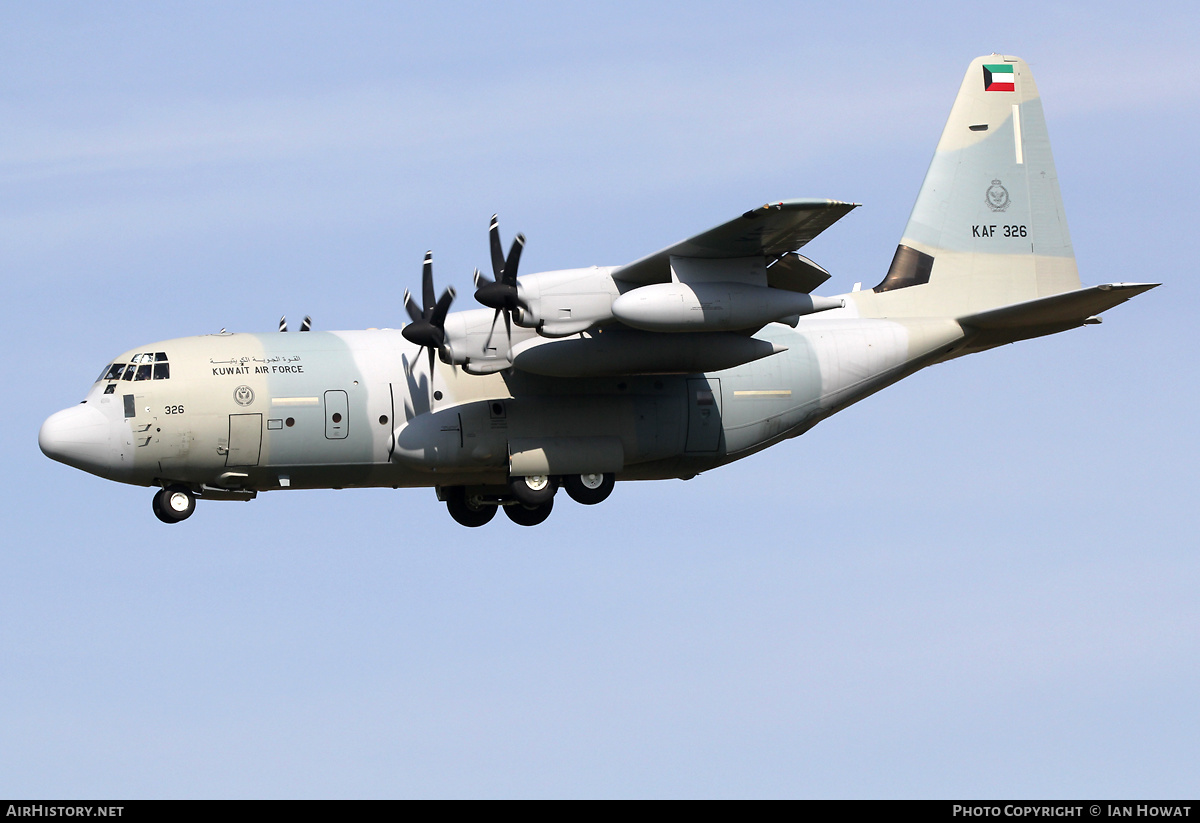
x=704, y=414
x=337, y=415
x=245, y=440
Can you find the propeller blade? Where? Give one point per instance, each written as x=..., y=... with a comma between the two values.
x=487, y=344
x=480, y=279
x=413, y=311
x=307, y=324
x=514, y=257
x=283, y=323
x=427, y=284
x=508, y=329
x=438, y=320
x=497, y=252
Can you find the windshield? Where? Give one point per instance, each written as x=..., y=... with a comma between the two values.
x=144, y=366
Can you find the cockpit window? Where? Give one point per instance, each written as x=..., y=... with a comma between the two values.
x=143, y=366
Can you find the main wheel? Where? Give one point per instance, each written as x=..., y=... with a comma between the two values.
x=464, y=511
x=527, y=516
x=533, y=490
x=157, y=505
x=174, y=503
x=589, y=489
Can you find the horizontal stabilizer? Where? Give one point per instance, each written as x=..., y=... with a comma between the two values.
x=1046, y=315
x=769, y=231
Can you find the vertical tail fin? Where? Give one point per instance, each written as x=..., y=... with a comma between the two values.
x=988, y=227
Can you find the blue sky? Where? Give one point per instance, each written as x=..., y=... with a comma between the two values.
x=981, y=582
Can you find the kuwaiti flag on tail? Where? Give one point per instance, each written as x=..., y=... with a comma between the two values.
x=998, y=77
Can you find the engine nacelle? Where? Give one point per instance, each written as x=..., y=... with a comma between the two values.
x=562, y=303
x=682, y=307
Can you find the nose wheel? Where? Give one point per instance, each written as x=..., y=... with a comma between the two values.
x=173, y=504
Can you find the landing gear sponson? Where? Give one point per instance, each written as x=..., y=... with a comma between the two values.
x=527, y=501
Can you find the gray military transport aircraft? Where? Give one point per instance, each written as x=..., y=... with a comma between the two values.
x=689, y=358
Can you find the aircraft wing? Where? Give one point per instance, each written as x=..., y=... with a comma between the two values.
x=771, y=231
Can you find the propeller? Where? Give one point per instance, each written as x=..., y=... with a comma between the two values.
x=501, y=294
x=307, y=324
x=428, y=326
x=283, y=323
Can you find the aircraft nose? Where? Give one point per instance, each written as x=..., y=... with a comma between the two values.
x=78, y=436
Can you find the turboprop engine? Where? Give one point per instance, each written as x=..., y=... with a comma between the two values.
x=683, y=307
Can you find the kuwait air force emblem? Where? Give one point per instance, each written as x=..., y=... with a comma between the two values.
x=996, y=197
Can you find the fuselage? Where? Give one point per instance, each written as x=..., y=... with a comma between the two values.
x=257, y=412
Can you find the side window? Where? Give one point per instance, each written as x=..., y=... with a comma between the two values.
x=162, y=371
x=130, y=411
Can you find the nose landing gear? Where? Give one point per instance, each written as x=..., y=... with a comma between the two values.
x=173, y=504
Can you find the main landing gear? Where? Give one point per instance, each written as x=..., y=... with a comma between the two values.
x=589, y=489
x=469, y=510
x=527, y=501
x=174, y=503
x=524, y=515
